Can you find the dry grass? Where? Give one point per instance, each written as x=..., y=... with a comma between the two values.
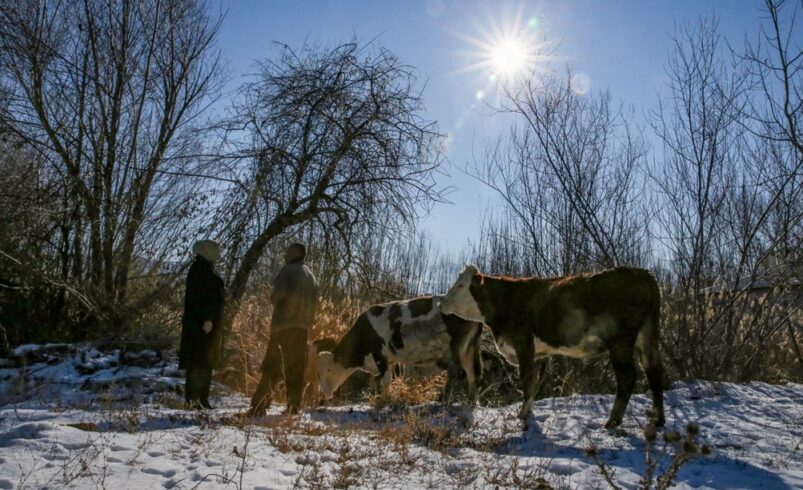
x=413, y=390
x=250, y=334
x=382, y=454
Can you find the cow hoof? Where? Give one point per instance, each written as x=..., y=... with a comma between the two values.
x=529, y=424
x=656, y=417
x=612, y=424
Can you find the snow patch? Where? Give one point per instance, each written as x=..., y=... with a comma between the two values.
x=95, y=418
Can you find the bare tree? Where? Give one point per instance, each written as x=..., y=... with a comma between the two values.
x=29, y=211
x=111, y=95
x=697, y=123
x=729, y=189
x=775, y=62
x=568, y=174
x=332, y=136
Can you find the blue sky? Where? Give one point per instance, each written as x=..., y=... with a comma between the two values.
x=620, y=45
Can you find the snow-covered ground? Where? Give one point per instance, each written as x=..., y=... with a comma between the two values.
x=76, y=417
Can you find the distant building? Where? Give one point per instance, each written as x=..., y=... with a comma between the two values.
x=775, y=272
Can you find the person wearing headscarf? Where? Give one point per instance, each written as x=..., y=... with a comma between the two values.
x=201, y=330
x=295, y=304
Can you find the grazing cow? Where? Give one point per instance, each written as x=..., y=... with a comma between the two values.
x=411, y=332
x=353, y=388
x=616, y=310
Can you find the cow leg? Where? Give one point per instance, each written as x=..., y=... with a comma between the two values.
x=454, y=361
x=452, y=377
x=470, y=367
x=625, y=371
x=655, y=378
x=461, y=333
x=478, y=377
x=471, y=362
x=650, y=359
x=385, y=376
x=525, y=351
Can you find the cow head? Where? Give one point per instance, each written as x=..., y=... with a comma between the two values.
x=459, y=301
x=331, y=374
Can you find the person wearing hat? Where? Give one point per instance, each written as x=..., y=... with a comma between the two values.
x=295, y=304
x=201, y=329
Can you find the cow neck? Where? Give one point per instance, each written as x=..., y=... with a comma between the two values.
x=341, y=353
x=360, y=340
x=501, y=290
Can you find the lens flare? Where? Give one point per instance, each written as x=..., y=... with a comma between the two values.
x=506, y=48
x=581, y=83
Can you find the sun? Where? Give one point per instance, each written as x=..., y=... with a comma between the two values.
x=509, y=57
x=506, y=48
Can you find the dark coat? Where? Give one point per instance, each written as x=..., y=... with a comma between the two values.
x=203, y=301
x=294, y=298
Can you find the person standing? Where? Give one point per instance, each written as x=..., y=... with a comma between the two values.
x=201, y=329
x=295, y=303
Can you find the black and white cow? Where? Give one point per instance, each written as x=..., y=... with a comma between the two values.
x=410, y=332
x=614, y=311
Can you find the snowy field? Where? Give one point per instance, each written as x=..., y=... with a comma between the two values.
x=80, y=418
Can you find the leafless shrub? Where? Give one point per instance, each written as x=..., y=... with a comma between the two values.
x=516, y=476
x=662, y=460
x=108, y=96
x=327, y=136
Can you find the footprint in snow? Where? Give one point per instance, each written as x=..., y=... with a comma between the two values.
x=75, y=445
x=155, y=454
x=304, y=459
x=564, y=468
x=5, y=484
x=156, y=471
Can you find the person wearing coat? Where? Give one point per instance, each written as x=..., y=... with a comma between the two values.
x=295, y=304
x=201, y=329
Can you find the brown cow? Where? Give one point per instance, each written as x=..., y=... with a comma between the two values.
x=616, y=310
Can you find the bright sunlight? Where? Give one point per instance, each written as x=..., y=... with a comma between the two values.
x=509, y=57
x=506, y=47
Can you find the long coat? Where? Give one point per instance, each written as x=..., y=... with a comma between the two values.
x=203, y=302
x=294, y=298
